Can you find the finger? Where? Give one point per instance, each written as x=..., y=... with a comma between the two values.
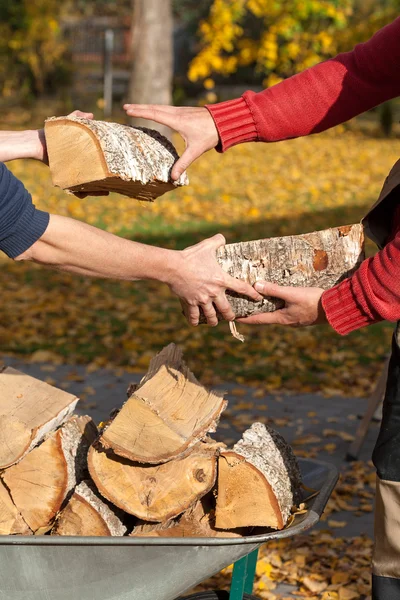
x=166, y=115
x=210, y=314
x=243, y=288
x=271, y=318
x=82, y=195
x=266, y=288
x=216, y=241
x=82, y=115
x=184, y=163
x=193, y=315
x=224, y=307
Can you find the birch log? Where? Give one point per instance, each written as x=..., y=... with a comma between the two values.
x=29, y=410
x=88, y=514
x=41, y=481
x=96, y=156
x=154, y=493
x=258, y=481
x=167, y=414
x=318, y=259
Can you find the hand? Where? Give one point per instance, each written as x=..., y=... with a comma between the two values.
x=199, y=281
x=41, y=150
x=303, y=306
x=194, y=124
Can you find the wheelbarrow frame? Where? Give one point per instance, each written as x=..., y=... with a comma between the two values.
x=38, y=567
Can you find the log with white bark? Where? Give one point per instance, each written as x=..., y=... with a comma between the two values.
x=154, y=493
x=88, y=514
x=167, y=414
x=41, y=481
x=258, y=481
x=97, y=156
x=318, y=259
x=29, y=410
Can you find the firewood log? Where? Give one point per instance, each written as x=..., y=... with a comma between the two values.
x=11, y=521
x=197, y=521
x=42, y=480
x=29, y=410
x=153, y=493
x=166, y=415
x=258, y=481
x=88, y=514
x=318, y=259
x=95, y=156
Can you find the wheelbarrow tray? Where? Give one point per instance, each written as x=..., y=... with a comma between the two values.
x=124, y=568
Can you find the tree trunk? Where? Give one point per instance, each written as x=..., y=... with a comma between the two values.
x=320, y=259
x=88, y=514
x=154, y=493
x=258, y=481
x=41, y=481
x=22, y=424
x=168, y=413
x=95, y=156
x=152, y=56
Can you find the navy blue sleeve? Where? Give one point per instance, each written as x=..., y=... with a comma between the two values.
x=21, y=224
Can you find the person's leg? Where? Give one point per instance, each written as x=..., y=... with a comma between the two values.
x=386, y=458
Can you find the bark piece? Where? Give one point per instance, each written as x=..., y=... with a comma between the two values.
x=318, y=259
x=92, y=156
x=11, y=521
x=168, y=413
x=29, y=410
x=42, y=480
x=153, y=493
x=258, y=481
x=197, y=521
x=88, y=514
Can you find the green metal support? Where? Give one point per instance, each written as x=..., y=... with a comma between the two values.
x=243, y=574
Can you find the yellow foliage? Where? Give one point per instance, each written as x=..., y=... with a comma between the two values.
x=293, y=34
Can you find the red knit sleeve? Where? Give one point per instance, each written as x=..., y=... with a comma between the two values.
x=316, y=99
x=372, y=294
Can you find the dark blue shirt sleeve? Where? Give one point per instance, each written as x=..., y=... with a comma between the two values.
x=21, y=224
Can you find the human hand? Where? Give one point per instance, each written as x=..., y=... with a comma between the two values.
x=303, y=306
x=194, y=124
x=199, y=281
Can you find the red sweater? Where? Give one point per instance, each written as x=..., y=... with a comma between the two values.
x=315, y=100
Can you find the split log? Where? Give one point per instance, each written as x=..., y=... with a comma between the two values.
x=168, y=413
x=88, y=514
x=153, y=493
x=29, y=410
x=318, y=259
x=258, y=481
x=42, y=480
x=11, y=521
x=95, y=156
x=197, y=521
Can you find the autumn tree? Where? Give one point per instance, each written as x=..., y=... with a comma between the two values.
x=152, y=55
x=279, y=39
x=31, y=45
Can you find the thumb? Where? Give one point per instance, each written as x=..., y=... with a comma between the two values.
x=184, y=162
x=266, y=288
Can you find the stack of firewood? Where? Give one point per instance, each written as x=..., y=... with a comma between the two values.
x=152, y=470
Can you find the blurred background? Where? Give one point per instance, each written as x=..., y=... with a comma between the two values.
x=56, y=56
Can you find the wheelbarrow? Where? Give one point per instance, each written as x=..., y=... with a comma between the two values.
x=124, y=568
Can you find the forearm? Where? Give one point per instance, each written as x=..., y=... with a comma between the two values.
x=76, y=247
x=22, y=144
x=316, y=99
x=371, y=295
